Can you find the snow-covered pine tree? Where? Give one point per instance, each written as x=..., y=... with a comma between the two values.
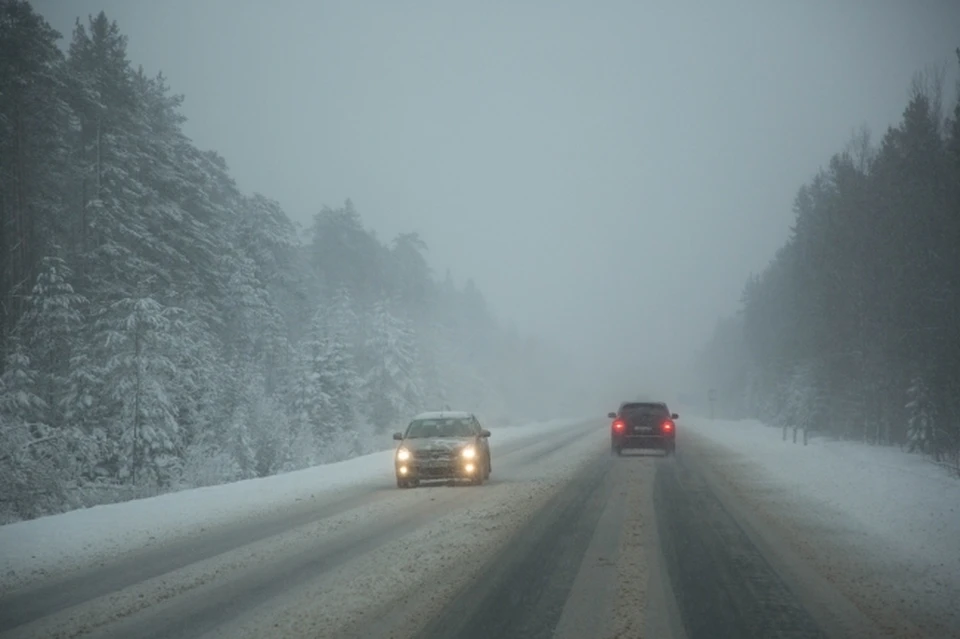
x=52, y=323
x=266, y=428
x=199, y=390
x=342, y=320
x=340, y=384
x=392, y=390
x=921, y=410
x=110, y=227
x=31, y=453
x=34, y=160
x=343, y=253
x=327, y=389
x=411, y=274
x=140, y=339
x=803, y=400
x=437, y=379
x=309, y=402
x=265, y=234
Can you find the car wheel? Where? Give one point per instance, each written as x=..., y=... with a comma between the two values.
x=486, y=469
x=402, y=483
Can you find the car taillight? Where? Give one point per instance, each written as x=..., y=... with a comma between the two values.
x=618, y=425
x=667, y=426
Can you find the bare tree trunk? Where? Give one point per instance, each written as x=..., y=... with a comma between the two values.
x=136, y=405
x=4, y=284
x=18, y=271
x=99, y=157
x=84, y=195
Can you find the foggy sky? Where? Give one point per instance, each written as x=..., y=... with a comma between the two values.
x=608, y=173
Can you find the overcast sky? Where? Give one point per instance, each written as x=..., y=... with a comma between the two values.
x=608, y=172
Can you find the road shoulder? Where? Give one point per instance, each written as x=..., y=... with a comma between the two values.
x=827, y=566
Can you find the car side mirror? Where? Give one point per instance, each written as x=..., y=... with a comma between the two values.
x=674, y=416
x=484, y=433
x=398, y=437
x=611, y=415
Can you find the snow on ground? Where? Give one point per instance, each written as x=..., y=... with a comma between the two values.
x=910, y=503
x=30, y=549
x=425, y=568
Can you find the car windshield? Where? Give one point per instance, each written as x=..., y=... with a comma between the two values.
x=445, y=427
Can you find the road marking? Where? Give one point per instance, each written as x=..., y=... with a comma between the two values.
x=588, y=611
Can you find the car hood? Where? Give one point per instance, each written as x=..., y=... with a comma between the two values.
x=436, y=443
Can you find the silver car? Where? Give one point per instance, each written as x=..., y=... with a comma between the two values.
x=442, y=445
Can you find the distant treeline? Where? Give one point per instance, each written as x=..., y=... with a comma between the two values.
x=854, y=327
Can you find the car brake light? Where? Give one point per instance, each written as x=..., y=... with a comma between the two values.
x=668, y=426
x=618, y=425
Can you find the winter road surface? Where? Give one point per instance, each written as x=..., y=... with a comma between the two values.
x=564, y=541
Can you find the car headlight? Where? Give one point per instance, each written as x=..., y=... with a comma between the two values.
x=469, y=452
x=403, y=454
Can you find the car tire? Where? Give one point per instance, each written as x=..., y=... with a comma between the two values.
x=403, y=483
x=486, y=469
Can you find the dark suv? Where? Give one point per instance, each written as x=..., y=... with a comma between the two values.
x=643, y=425
x=442, y=445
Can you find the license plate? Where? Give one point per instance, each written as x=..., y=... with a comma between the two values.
x=642, y=429
x=435, y=463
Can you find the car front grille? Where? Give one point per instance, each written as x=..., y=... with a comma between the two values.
x=432, y=455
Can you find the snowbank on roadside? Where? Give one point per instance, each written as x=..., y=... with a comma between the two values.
x=30, y=549
x=904, y=499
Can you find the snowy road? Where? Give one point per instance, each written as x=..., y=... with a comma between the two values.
x=565, y=541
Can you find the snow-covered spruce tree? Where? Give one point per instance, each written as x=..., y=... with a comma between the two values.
x=308, y=402
x=34, y=160
x=921, y=424
x=140, y=339
x=53, y=330
x=344, y=254
x=392, y=390
x=266, y=429
x=340, y=379
x=341, y=384
x=52, y=323
x=31, y=452
x=803, y=400
x=342, y=321
x=437, y=379
x=326, y=390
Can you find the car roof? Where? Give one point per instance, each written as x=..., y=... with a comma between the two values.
x=442, y=414
x=660, y=404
